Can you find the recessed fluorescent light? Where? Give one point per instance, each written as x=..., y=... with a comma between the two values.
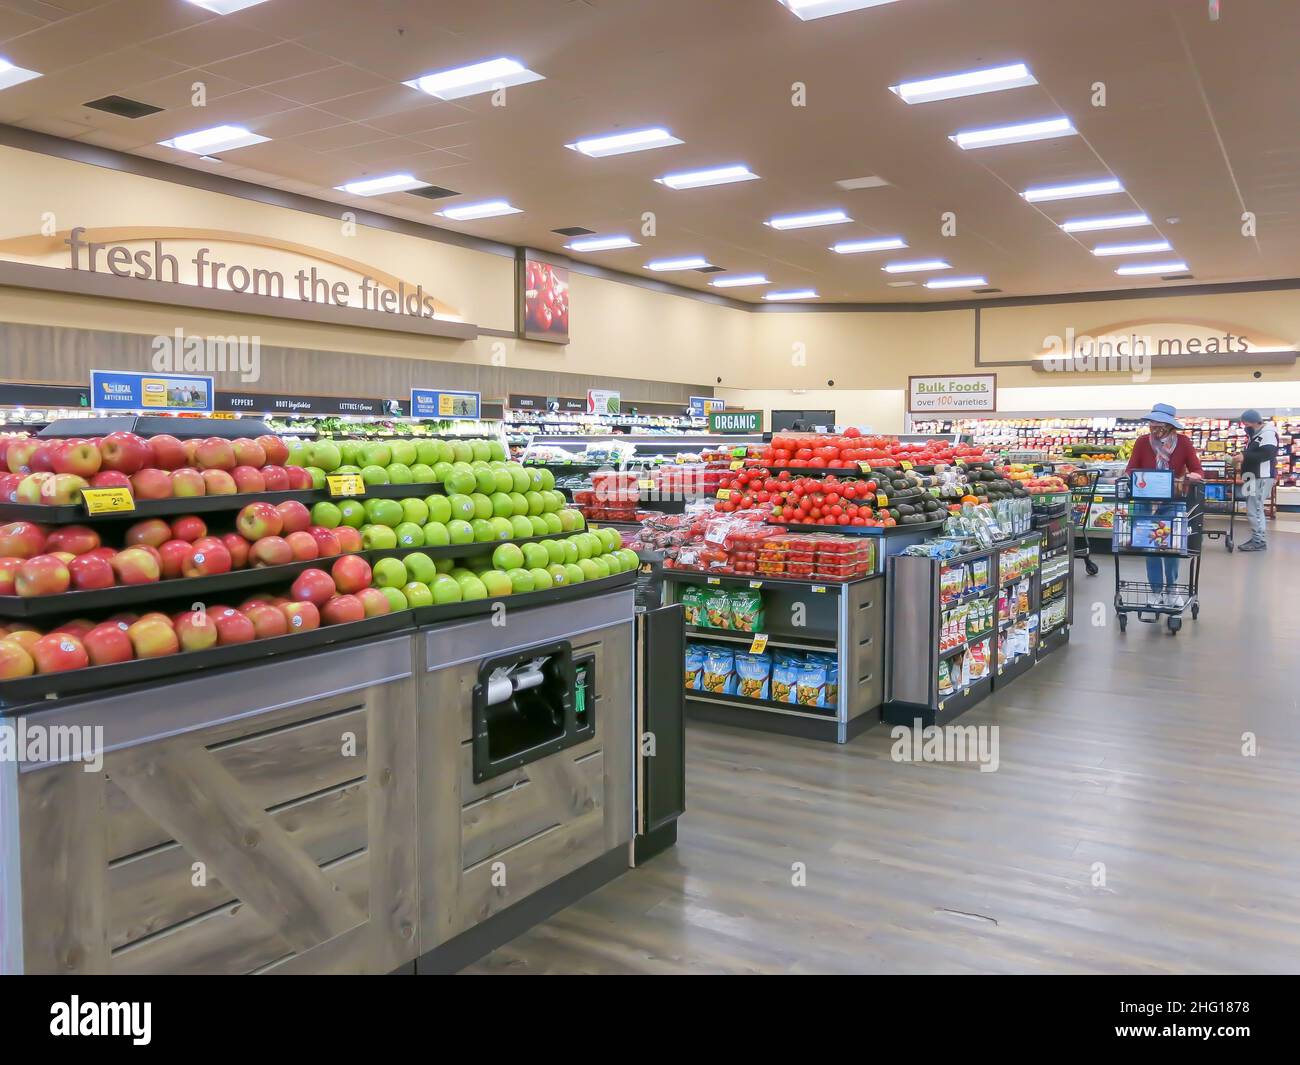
x=11, y=75
x=1043, y=129
x=1119, y=221
x=901, y=284
x=1132, y=249
x=718, y=175
x=874, y=181
x=468, y=212
x=916, y=267
x=1152, y=268
x=794, y=294
x=226, y=7
x=487, y=76
x=806, y=221
x=638, y=140
x=950, y=86
x=602, y=243
x=811, y=9
x=958, y=282
x=1101, y=187
x=692, y=262
x=739, y=281
x=380, y=185
x=853, y=247
x=211, y=141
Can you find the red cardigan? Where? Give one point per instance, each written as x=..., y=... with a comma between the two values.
x=1183, y=461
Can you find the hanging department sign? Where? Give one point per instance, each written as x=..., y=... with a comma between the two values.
x=118, y=391
x=736, y=421
x=602, y=401
x=953, y=394
x=431, y=403
x=701, y=406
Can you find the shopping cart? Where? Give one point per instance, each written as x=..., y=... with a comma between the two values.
x=1157, y=519
x=1083, y=487
x=1221, y=496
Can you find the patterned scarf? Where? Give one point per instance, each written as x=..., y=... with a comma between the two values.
x=1163, y=447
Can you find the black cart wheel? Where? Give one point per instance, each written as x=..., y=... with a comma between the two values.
x=1090, y=567
x=1228, y=545
x=1123, y=623
x=1175, y=624
x=1196, y=611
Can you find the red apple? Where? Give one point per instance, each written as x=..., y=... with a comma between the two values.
x=248, y=480
x=304, y=546
x=294, y=516
x=275, y=450
x=75, y=538
x=106, y=553
x=19, y=456
x=22, y=539
x=124, y=620
x=215, y=453
x=150, y=549
x=195, y=630
x=77, y=456
x=303, y=615
x=257, y=520
x=176, y=555
x=152, y=531
x=191, y=449
x=341, y=609
x=42, y=575
x=124, y=452
x=33, y=490
x=153, y=637
x=25, y=638
x=327, y=544
x=349, y=538
x=232, y=626
x=42, y=460
x=166, y=452
x=208, y=557
x=108, y=643
x=65, y=489
x=374, y=601
x=187, y=483
x=77, y=627
x=15, y=661
x=256, y=600
x=238, y=548
x=299, y=479
x=313, y=586
x=351, y=573
x=58, y=652
x=270, y=551
x=189, y=527
x=91, y=571
x=249, y=452
x=110, y=479
x=136, y=565
x=8, y=574
x=151, y=483
x=9, y=483
x=277, y=478
x=219, y=483
x=268, y=621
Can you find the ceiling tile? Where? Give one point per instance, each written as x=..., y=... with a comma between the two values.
x=215, y=40
x=327, y=84
x=277, y=63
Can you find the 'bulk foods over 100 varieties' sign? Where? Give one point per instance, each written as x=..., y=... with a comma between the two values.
x=954, y=394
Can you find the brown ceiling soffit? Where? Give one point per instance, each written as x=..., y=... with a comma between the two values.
x=1177, y=362
x=105, y=286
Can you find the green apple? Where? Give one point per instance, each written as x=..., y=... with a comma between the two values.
x=444, y=565
x=570, y=551
x=409, y=534
x=436, y=534
x=518, y=503
x=612, y=560
x=535, y=478
x=374, y=475
x=553, y=523
x=522, y=482
x=419, y=567
x=568, y=519
x=326, y=514
x=579, y=522
x=504, y=482
x=350, y=451
x=575, y=573
x=462, y=507
x=441, y=471
x=481, y=449
x=418, y=594
x=422, y=473
x=510, y=556
x=482, y=505
x=503, y=528
x=299, y=454
x=628, y=557
x=554, y=551
x=521, y=581
x=349, y=469
x=555, y=500
x=389, y=573
x=439, y=508
x=541, y=579
x=496, y=583
x=487, y=480
x=404, y=451
x=582, y=544
x=460, y=482
x=373, y=453
x=548, y=480
x=502, y=505
x=395, y=598
x=590, y=571
x=559, y=575
x=535, y=503
x=352, y=512
x=317, y=476
x=473, y=588
x=427, y=452
x=461, y=573
x=484, y=533
x=384, y=512
x=399, y=474
x=462, y=451
x=602, y=567
x=540, y=528
x=461, y=532
x=520, y=527
x=480, y=564
x=377, y=538
x=445, y=589
x=325, y=454
x=413, y=509
x=496, y=449
x=609, y=538
x=535, y=556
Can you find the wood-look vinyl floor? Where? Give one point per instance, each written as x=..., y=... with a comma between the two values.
x=1120, y=753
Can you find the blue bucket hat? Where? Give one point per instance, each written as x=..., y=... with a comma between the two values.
x=1163, y=412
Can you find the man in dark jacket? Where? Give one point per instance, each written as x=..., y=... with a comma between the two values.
x=1258, y=462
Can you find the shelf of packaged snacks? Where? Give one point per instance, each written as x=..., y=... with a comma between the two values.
x=689, y=576
x=787, y=642
x=1057, y=636
x=746, y=703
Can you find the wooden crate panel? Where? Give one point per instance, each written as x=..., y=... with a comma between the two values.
x=471, y=792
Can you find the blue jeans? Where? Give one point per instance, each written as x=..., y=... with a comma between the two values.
x=1162, y=571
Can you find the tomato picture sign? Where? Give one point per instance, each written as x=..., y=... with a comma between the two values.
x=543, y=300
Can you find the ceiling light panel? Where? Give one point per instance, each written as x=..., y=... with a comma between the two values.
x=1042, y=129
x=1048, y=193
x=214, y=140
x=11, y=75
x=225, y=7
x=602, y=243
x=739, y=281
x=813, y=9
x=1092, y=225
x=469, y=212
x=792, y=294
x=381, y=185
x=919, y=266
x=807, y=221
x=971, y=83
x=690, y=262
x=718, y=175
x=1141, y=248
x=1138, y=269
x=637, y=140
x=855, y=247
x=487, y=76
x=958, y=282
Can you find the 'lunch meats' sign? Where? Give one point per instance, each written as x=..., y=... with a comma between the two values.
x=953, y=394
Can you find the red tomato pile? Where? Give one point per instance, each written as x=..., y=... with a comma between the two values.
x=546, y=303
x=846, y=451
x=804, y=500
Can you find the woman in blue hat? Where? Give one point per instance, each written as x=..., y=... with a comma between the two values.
x=1165, y=448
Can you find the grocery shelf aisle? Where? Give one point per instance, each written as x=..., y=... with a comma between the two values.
x=1122, y=749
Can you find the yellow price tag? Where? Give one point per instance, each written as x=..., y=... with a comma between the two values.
x=739, y=464
x=882, y=500
x=714, y=580
x=645, y=484
x=759, y=645
x=864, y=467
x=724, y=493
x=756, y=585
x=224, y=415
x=346, y=484
x=819, y=588
x=108, y=500
x=905, y=465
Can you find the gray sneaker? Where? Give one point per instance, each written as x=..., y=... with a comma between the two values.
x=1253, y=544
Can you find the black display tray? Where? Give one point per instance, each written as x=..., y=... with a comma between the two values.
x=690, y=576
x=864, y=530
x=746, y=703
x=198, y=589
x=432, y=615
x=162, y=508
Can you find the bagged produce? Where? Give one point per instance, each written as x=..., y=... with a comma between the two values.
x=811, y=685
x=719, y=671
x=692, y=600
x=717, y=609
x=785, y=677
x=694, y=666
x=753, y=675
x=747, y=610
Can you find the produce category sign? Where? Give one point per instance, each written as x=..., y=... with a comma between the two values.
x=120, y=391
x=544, y=300
x=702, y=406
x=952, y=394
x=736, y=421
x=600, y=401
x=431, y=403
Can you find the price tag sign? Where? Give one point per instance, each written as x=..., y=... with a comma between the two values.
x=739, y=452
x=345, y=484
x=759, y=644
x=739, y=464
x=724, y=493
x=224, y=415
x=864, y=467
x=905, y=465
x=819, y=588
x=882, y=500
x=645, y=484
x=646, y=567
x=108, y=500
x=961, y=464
x=756, y=585
x=714, y=580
